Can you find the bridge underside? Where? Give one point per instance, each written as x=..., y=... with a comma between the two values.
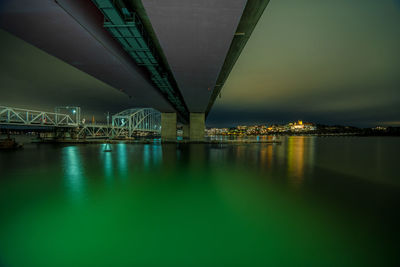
x=73, y=32
x=195, y=37
x=191, y=45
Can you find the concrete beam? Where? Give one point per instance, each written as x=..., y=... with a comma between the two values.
x=168, y=126
x=197, y=126
x=195, y=36
x=251, y=14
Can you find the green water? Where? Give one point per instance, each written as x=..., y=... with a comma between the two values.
x=311, y=201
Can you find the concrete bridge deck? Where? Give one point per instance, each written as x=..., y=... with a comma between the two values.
x=171, y=55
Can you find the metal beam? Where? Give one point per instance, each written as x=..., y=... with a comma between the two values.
x=126, y=27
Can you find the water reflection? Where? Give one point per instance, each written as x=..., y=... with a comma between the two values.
x=266, y=154
x=73, y=171
x=270, y=156
x=157, y=154
x=169, y=155
x=197, y=155
x=122, y=160
x=300, y=153
x=146, y=156
x=107, y=162
x=152, y=156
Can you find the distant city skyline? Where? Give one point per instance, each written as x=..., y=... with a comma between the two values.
x=294, y=122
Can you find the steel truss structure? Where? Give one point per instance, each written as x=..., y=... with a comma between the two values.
x=139, y=119
x=124, y=124
x=19, y=116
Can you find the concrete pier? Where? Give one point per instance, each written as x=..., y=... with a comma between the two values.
x=197, y=126
x=168, y=126
x=186, y=131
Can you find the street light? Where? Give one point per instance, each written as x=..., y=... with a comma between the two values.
x=108, y=118
x=76, y=111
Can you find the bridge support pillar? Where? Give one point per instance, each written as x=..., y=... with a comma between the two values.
x=168, y=126
x=197, y=126
x=186, y=132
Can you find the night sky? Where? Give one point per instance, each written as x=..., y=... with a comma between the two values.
x=330, y=62
x=322, y=61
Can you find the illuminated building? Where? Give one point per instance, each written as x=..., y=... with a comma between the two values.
x=299, y=126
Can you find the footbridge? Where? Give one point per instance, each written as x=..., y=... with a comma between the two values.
x=128, y=123
x=170, y=55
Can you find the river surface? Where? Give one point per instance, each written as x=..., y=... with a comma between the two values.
x=310, y=201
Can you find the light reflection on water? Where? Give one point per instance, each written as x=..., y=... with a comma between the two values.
x=218, y=204
x=108, y=165
x=73, y=171
x=300, y=153
x=122, y=160
x=147, y=156
x=157, y=155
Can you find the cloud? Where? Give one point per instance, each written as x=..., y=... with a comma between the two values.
x=318, y=58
